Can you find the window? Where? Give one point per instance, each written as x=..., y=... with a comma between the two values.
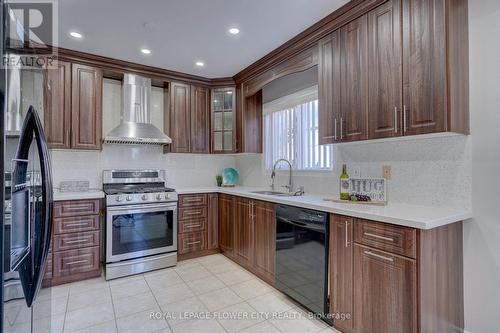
x=291, y=132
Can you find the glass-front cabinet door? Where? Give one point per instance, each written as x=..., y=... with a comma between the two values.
x=223, y=120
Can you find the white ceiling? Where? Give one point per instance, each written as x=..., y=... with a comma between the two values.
x=181, y=32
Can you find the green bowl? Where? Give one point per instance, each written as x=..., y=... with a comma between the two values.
x=230, y=176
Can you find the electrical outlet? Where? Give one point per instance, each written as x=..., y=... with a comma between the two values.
x=356, y=171
x=386, y=171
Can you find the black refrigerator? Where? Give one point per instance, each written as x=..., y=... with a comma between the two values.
x=26, y=210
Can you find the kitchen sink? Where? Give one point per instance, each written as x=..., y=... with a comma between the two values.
x=271, y=193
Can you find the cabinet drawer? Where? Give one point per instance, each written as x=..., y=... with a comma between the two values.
x=387, y=237
x=192, y=242
x=76, y=240
x=192, y=200
x=76, y=224
x=192, y=213
x=76, y=261
x=76, y=208
x=192, y=225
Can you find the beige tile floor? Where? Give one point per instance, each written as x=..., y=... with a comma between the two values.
x=211, y=284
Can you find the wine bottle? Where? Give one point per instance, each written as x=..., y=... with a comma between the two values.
x=344, y=184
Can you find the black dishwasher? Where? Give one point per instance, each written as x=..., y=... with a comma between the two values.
x=302, y=256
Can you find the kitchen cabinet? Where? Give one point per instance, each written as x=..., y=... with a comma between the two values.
x=251, y=128
x=200, y=120
x=197, y=225
x=189, y=118
x=385, y=287
x=226, y=224
x=57, y=109
x=180, y=117
x=73, y=102
x=223, y=120
x=342, y=272
x=86, y=104
x=264, y=225
x=414, y=81
x=243, y=224
x=385, y=74
x=353, y=122
x=76, y=242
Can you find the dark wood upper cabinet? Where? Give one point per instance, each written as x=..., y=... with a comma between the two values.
x=264, y=239
x=243, y=224
x=354, y=80
x=57, y=106
x=86, y=104
x=342, y=270
x=200, y=119
x=180, y=117
x=223, y=116
x=329, y=88
x=385, y=292
x=251, y=127
x=226, y=224
x=385, y=72
x=435, y=66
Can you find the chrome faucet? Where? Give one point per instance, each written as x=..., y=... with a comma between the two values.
x=273, y=175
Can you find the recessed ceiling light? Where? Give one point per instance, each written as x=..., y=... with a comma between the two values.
x=76, y=34
x=146, y=51
x=234, y=31
x=199, y=63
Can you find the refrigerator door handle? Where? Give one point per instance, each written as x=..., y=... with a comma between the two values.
x=32, y=269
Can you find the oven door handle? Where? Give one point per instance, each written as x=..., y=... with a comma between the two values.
x=143, y=208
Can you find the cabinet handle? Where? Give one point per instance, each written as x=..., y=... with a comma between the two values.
x=368, y=234
x=335, y=131
x=395, y=119
x=192, y=199
x=75, y=224
x=346, y=243
x=193, y=243
x=341, y=129
x=82, y=240
x=369, y=253
x=76, y=262
x=192, y=225
x=193, y=213
x=404, y=118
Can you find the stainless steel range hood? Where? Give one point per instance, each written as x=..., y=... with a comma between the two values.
x=135, y=126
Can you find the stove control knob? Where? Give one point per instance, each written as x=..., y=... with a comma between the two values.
x=119, y=198
x=129, y=198
x=144, y=197
x=159, y=196
x=167, y=195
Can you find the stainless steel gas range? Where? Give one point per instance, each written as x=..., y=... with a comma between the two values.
x=141, y=222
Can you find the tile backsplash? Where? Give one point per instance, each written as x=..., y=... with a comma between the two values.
x=425, y=170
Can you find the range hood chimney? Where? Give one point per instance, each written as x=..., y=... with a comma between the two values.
x=135, y=126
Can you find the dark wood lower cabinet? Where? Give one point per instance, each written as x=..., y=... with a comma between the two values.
x=226, y=224
x=264, y=234
x=243, y=223
x=385, y=292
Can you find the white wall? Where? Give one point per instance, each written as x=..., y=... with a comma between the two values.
x=482, y=234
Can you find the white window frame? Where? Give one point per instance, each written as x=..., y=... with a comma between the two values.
x=284, y=103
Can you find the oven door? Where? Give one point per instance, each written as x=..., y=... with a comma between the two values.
x=140, y=230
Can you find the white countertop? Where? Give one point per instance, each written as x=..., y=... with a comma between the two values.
x=416, y=216
x=82, y=195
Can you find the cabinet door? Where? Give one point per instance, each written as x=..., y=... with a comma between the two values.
x=385, y=76
x=385, y=298
x=213, y=221
x=424, y=66
x=86, y=103
x=180, y=117
x=329, y=88
x=226, y=224
x=265, y=239
x=57, y=110
x=354, y=72
x=342, y=272
x=200, y=123
x=243, y=222
x=252, y=124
